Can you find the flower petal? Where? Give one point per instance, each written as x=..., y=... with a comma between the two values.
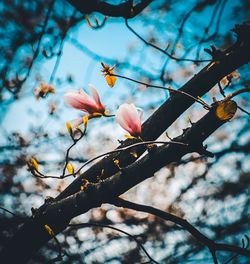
x=128, y=118
x=94, y=93
x=81, y=100
x=121, y=120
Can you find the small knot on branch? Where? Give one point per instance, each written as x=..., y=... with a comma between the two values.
x=215, y=53
x=203, y=151
x=243, y=32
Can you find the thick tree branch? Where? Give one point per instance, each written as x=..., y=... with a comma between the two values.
x=126, y=9
x=160, y=120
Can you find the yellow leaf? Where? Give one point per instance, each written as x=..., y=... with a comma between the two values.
x=226, y=110
x=108, y=72
x=70, y=168
x=85, y=121
x=49, y=230
x=69, y=128
x=129, y=136
x=34, y=163
x=111, y=80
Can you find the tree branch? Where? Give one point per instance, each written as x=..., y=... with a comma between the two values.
x=126, y=9
x=209, y=243
x=167, y=113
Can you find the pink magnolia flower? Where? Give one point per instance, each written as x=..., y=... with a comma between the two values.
x=129, y=119
x=82, y=101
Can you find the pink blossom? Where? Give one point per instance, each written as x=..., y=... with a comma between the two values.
x=129, y=119
x=82, y=101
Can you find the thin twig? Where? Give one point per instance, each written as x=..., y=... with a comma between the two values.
x=221, y=90
x=205, y=105
x=244, y=245
x=240, y=91
x=213, y=253
x=83, y=225
x=36, y=52
x=232, y=95
x=129, y=147
x=158, y=48
x=41, y=175
x=68, y=150
x=59, y=54
x=180, y=31
x=209, y=25
x=61, y=252
x=243, y=110
x=8, y=211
